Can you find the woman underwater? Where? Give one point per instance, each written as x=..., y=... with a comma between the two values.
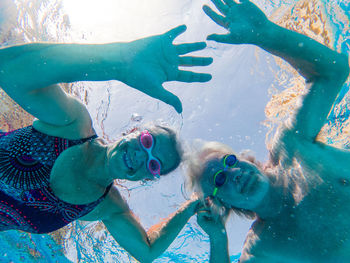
x=300, y=198
x=57, y=171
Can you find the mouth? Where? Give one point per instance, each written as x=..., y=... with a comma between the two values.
x=252, y=184
x=244, y=183
x=127, y=161
x=249, y=183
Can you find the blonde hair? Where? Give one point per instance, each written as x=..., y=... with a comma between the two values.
x=200, y=152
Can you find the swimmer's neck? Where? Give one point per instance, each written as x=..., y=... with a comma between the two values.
x=97, y=163
x=272, y=204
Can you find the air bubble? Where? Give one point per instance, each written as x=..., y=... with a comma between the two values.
x=136, y=117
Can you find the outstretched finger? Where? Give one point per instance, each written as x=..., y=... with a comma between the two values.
x=195, y=61
x=220, y=6
x=219, y=19
x=230, y=2
x=189, y=47
x=158, y=92
x=173, y=33
x=169, y=98
x=204, y=212
x=189, y=76
x=219, y=38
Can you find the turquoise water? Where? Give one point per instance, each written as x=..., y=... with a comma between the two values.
x=47, y=20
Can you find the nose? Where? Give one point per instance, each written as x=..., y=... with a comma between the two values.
x=235, y=174
x=139, y=157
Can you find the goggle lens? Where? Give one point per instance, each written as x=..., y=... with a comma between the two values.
x=146, y=140
x=154, y=167
x=230, y=160
x=220, y=179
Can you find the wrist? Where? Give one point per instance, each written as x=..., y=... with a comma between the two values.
x=218, y=236
x=217, y=232
x=191, y=206
x=267, y=33
x=113, y=57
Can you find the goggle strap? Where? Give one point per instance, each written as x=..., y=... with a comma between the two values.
x=225, y=160
x=215, y=191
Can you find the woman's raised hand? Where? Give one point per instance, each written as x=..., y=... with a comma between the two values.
x=151, y=61
x=244, y=21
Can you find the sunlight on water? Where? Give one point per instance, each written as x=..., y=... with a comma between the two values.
x=110, y=20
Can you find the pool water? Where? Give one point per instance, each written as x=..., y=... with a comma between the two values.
x=223, y=109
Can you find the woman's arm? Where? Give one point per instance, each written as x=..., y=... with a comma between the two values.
x=27, y=72
x=324, y=69
x=128, y=232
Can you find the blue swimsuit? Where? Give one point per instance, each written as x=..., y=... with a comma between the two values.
x=26, y=200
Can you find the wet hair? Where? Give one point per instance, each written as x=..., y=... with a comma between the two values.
x=199, y=154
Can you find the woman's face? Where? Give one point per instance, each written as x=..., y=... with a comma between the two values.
x=245, y=185
x=132, y=158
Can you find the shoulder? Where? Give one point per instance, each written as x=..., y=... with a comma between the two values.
x=258, y=249
x=284, y=145
x=252, y=242
x=113, y=204
x=325, y=160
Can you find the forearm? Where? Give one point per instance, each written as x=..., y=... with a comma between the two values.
x=162, y=235
x=146, y=247
x=325, y=69
x=310, y=58
x=37, y=65
x=219, y=248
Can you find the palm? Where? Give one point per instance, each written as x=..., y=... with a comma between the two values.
x=244, y=21
x=154, y=60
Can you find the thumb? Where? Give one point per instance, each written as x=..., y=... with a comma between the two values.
x=167, y=97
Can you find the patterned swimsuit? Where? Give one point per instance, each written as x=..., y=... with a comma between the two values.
x=26, y=200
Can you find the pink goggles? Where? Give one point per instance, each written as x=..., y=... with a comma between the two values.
x=147, y=143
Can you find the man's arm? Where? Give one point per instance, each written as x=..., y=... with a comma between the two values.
x=324, y=69
x=325, y=72
x=216, y=231
x=128, y=232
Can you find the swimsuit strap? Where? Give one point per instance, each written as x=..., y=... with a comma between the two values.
x=81, y=141
x=106, y=191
